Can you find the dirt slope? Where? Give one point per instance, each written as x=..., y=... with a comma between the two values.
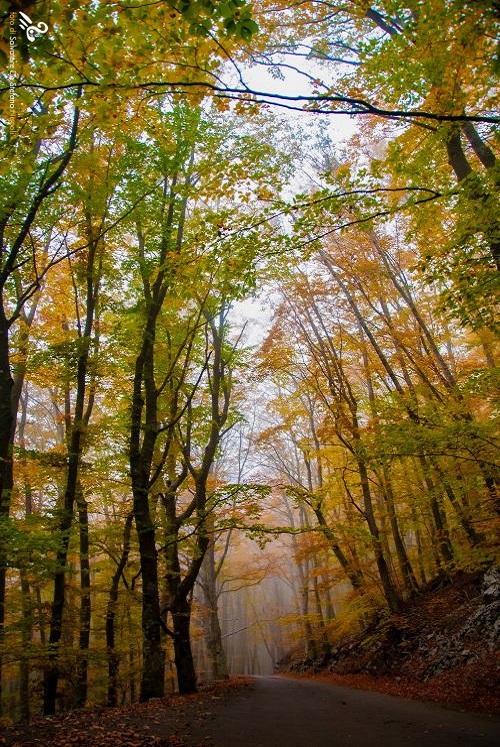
x=442, y=646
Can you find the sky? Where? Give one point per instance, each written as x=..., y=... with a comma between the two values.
x=256, y=312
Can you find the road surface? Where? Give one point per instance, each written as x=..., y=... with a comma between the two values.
x=285, y=712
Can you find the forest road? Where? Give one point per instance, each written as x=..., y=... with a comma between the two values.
x=285, y=712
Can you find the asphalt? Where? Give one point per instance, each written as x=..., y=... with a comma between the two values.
x=285, y=712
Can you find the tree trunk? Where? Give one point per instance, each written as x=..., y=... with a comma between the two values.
x=26, y=639
x=325, y=643
x=303, y=574
x=464, y=520
x=113, y=659
x=216, y=657
x=390, y=592
x=186, y=674
x=75, y=437
x=327, y=595
x=443, y=542
x=311, y=648
x=51, y=676
x=143, y=437
x=480, y=148
x=456, y=156
x=354, y=574
x=6, y=465
x=27, y=598
x=85, y=604
x=153, y=655
x=409, y=580
x=420, y=545
x=131, y=661
x=460, y=165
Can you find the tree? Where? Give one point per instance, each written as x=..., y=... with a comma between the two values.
x=96, y=196
x=426, y=141
x=164, y=418
x=198, y=456
x=359, y=302
x=36, y=181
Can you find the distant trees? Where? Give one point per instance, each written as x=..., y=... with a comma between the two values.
x=373, y=393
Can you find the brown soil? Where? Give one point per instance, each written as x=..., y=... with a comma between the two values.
x=473, y=687
x=153, y=724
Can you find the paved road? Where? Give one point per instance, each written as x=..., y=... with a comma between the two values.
x=283, y=712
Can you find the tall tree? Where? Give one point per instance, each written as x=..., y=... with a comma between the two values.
x=186, y=252
x=28, y=186
x=97, y=187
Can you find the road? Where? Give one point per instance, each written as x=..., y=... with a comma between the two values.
x=285, y=712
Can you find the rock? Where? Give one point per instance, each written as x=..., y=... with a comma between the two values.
x=484, y=623
x=490, y=588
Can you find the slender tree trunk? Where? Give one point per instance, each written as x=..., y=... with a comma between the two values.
x=85, y=603
x=6, y=468
x=310, y=647
x=473, y=537
x=143, y=435
x=390, y=592
x=179, y=606
x=153, y=661
x=325, y=643
x=419, y=544
x=303, y=574
x=51, y=676
x=215, y=651
x=180, y=588
x=327, y=595
x=26, y=640
x=75, y=437
x=27, y=603
x=409, y=580
x=443, y=542
x=354, y=574
x=113, y=659
x=131, y=661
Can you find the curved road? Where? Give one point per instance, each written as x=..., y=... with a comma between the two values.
x=285, y=712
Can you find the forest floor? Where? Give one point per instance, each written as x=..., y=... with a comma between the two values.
x=156, y=723
x=438, y=648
